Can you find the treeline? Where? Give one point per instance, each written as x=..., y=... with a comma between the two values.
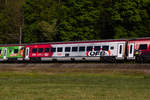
x=72, y=20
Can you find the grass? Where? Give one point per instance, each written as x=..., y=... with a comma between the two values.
x=74, y=85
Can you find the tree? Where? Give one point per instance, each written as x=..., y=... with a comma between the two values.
x=129, y=18
x=104, y=26
x=11, y=18
x=78, y=20
x=40, y=20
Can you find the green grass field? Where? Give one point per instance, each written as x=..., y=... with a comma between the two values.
x=73, y=85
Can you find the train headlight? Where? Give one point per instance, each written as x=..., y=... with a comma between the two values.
x=137, y=52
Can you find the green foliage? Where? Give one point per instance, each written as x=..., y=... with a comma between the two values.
x=40, y=20
x=70, y=20
x=11, y=18
x=78, y=20
x=129, y=17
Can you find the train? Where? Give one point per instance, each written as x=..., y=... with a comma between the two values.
x=111, y=50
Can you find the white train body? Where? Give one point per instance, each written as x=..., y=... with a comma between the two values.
x=92, y=50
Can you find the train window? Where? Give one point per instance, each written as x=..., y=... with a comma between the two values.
x=105, y=48
x=10, y=51
x=97, y=48
x=46, y=49
x=74, y=49
x=5, y=50
x=81, y=48
x=59, y=49
x=143, y=47
x=40, y=50
x=112, y=48
x=34, y=50
x=27, y=52
x=89, y=48
x=67, y=49
x=131, y=46
x=16, y=51
x=53, y=49
x=120, y=51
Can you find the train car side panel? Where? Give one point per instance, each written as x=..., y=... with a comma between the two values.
x=141, y=49
x=38, y=51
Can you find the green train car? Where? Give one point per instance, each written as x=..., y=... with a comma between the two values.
x=11, y=53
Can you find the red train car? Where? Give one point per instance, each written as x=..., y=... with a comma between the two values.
x=139, y=49
x=37, y=51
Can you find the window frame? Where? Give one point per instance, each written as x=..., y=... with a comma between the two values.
x=75, y=49
x=34, y=49
x=105, y=46
x=131, y=47
x=67, y=49
x=16, y=51
x=112, y=48
x=59, y=49
x=91, y=47
x=81, y=48
x=10, y=50
x=46, y=50
x=53, y=49
x=140, y=48
x=97, y=49
x=120, y=49
x=40, y=50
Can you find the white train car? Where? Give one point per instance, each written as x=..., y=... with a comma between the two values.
x=89, y=50
x=113, y=50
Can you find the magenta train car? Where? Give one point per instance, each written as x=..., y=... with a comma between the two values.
x=139, y=49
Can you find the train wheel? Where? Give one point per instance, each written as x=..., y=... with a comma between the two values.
x=113, y=60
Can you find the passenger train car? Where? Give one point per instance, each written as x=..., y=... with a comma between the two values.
x=77, y=51
x=11, y=52
x=37, y=51
x=139, y=49
x=100, y=50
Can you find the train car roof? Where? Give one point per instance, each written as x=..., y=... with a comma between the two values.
x=87, y=41
x=73, y=42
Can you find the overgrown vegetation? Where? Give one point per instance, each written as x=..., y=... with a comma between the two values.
x=71, y=20
x=73, y=86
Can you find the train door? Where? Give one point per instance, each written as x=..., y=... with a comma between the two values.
x=5, y=54
x=131, y=50
x=67, y=51
x=82, y=50
x=54, y=51
x=74, y=50
x=27, y=53
x=120, y=50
